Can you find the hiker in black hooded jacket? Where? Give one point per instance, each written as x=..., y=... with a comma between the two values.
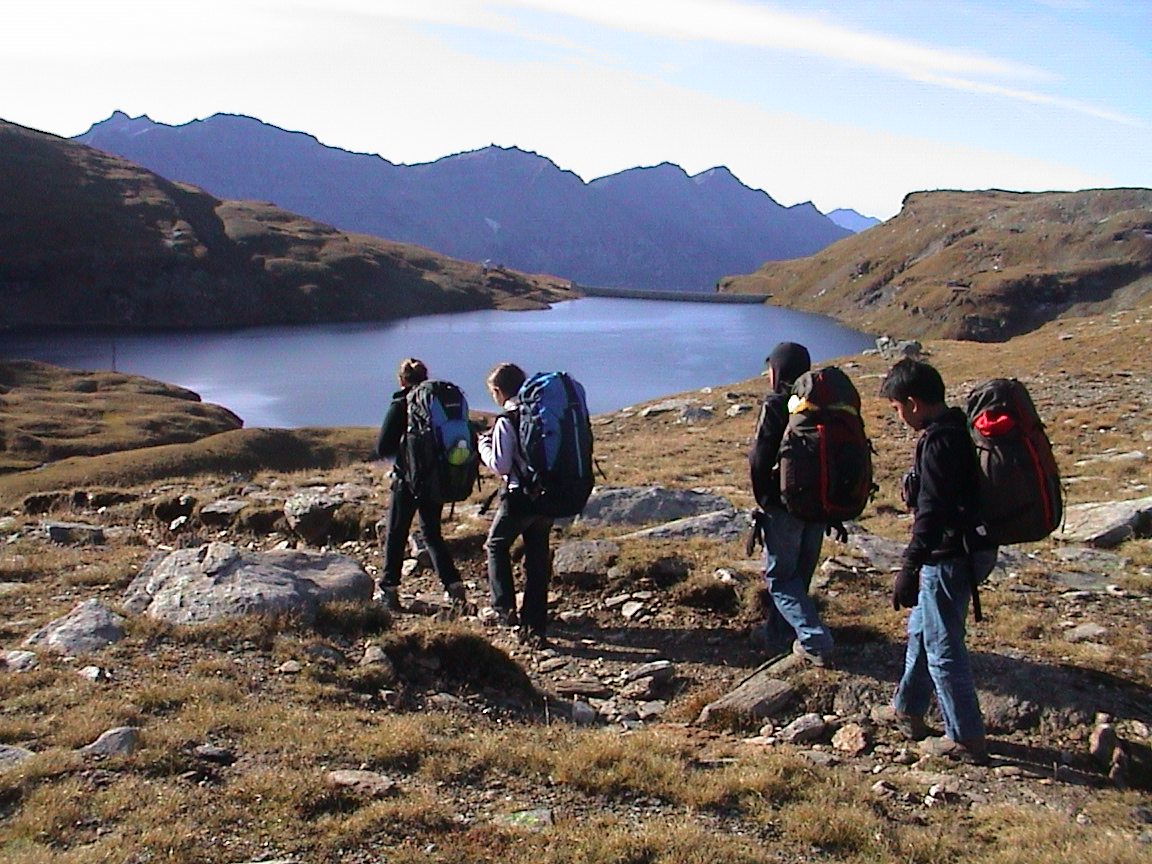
x=403, y=504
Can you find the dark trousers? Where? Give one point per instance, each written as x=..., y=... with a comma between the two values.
x=514, y=518
x=401, y=508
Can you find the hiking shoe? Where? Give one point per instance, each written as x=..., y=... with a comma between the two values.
x=389, y=596
x=531, y=638
x=824, y=661
x=911, y=726
x=971, y=752
x=492, y=617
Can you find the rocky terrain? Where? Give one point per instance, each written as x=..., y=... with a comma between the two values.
x=92, y=240
x=649, y=728
x=976, y=265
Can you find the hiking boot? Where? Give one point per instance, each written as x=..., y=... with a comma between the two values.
x=911, y=726
x=457, y=596
x=824, y=661
x=531, y=638
x=973, y=751
x=492, y=617
x=389, y=597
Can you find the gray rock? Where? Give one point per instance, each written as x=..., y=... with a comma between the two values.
x=584, y=714
x=638, y=690
x=738, y=409
x=214, y=754
x=632, y=609
x=121, y=741
x=1075, y=581
x=642, y=505
x=819, y=757
x=720, y=525
x=375, y=657
x=803, y=730
x=1004, y=713
x=660, y=671
x=1106, y=524
x=94, y=674
x=309, y=514
x=367, y=783
x=1090, y=632
x=880, y=553
x=584, y=562
x=11, y=755
x=531, y=820
x=756, y=697
x=18, y=661
x=217, y=580
x=90, y=626
x=851, y=738
x=73, y=533
x=651, y=709
x=222, y=512
x=695, y=414
x=667, y=406
x=1089, y=558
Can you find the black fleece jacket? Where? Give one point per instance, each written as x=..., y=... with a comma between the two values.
x=765, y=451
x=394, y=426
x=944, y=506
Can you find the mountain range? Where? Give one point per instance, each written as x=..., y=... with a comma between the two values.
x=651, y=228
x=90, y=240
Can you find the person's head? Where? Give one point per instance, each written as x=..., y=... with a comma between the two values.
x=787, y=362
x=411, y=372
x=915, y=391
x=504, y=381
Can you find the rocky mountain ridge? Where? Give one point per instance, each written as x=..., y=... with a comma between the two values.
x=976, y=265
x=91, y=240
x=654, y=228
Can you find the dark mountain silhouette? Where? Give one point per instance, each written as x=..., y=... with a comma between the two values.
x=88, y=239
x=976, y=265
x=656, y=228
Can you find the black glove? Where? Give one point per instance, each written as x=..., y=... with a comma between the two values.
x=837, y=530
x=906, y=587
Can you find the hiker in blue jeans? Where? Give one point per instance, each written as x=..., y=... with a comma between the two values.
x=936, y=576
x=791, y=546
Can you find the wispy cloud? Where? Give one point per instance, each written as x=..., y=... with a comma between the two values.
x=760, y=26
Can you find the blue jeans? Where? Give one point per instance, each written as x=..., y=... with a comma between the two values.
x=515, y=518
x=791, y=550
x=936, y=657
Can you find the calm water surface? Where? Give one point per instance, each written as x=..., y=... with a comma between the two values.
x=623, y=351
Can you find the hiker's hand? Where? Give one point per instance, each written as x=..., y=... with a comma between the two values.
x=837, y=530
x=906, y=587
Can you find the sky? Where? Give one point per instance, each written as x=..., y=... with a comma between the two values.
x=845, y=104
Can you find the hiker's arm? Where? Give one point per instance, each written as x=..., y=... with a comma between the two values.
x=498, y=448
x=942, y=493
x=763, y=455
x=391, y=430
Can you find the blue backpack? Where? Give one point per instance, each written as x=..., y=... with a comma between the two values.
x=555, y=437
x=441, y=461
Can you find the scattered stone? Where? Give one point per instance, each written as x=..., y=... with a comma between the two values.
x=758, y=696
x=94, y=674
x=883, y=789
x=651, y=710
x=309, y=515
x=804, y=729
x=738, y=409
x=1077, y=581
x=378, y=659
x=584, y=562
x=1089, y=632
x=290, y=667
x=214, y=754
x=218, y=580
x=18, y=661
x=851, y=738
x=584, y=714
x=880, y=553
x=367, y=783
x=221, y=513
x=638, y=689
x=616, y=600
x=585, y=686
x=11, y=755
x=642, y=505
x=695, y=414
x=725, y=524
x=531, y=820
x=1093, y=559
x=73, y=533
x=632, y=609
x=121, y=741
x=820, y=757
x=447, y=702
x=660, y=671
x=666, y=407
x=89, y=627
x=1106, y=524
x=553, y=663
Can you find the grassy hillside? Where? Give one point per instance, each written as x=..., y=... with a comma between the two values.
x=91, y=240
x=976, y=265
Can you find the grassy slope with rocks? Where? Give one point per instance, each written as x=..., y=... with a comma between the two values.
x=91, y=240
x=976, y=265
x=469, y=751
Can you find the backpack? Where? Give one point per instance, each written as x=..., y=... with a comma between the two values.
x=441, y=463
x=825, y=459
x=1019, y=484
x=555, y=438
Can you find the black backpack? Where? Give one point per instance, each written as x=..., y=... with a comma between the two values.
x=1020, y=498
x=825, y=460
x=441, y=460
x=555, y=439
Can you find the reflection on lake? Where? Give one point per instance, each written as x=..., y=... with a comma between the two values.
x=623, y=351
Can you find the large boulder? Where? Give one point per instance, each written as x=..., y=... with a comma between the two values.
x=218, y=580
x=643, y=505
x=725, y=524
